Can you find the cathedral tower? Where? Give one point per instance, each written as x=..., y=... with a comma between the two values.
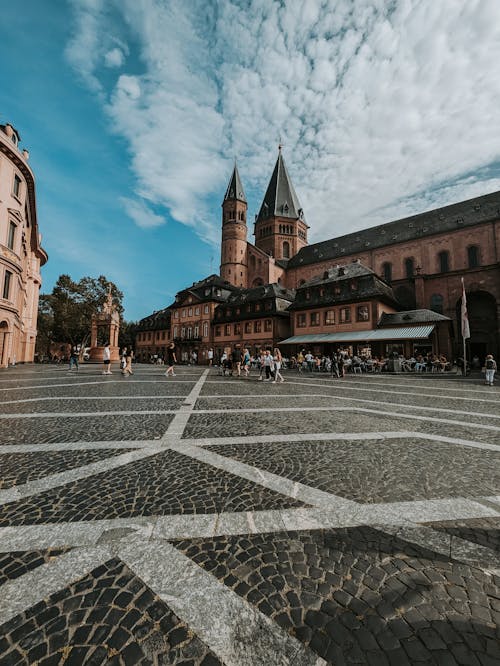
x=233, y=262
x=280, y=227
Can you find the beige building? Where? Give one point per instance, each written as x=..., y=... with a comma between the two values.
x=21, y=254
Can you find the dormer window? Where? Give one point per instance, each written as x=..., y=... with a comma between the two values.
x=341, y=271
x=325, y=275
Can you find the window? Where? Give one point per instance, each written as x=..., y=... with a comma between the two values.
x=196, y=331
x=286, y=250
x=248, y=327
x=217, y=331
x=314, y=318
x=362, y=313
x=190, y=312
x=437, y=303
x=237, y=329
x=409, y=268
x=257, y=307
x=329, y=317
x=163, y=335
x=345, y=315
x=184, y=312
x=205, y=309
x=269, y=305
x=308, y=295
x=301, y=320
x=472, y=256
x=227, y=329
x=12, y=235
x=183, y=332
x=257, y=326
x=387, y=271
x=176, y=331
x=205, y=330
x=189, y=332
x=16, y=190
x=268, y=325
x=176, y=314
x=197, y=311
x=444, y=261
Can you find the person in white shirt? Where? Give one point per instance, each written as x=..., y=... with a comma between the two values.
x=106, y=359
x=278, y=361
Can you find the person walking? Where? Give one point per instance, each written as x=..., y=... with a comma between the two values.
x=260, y=364
x=171, y=359
x=278, y=362
x=210, y=357
x=246, y=361
x=236, y=360
x=268, y=365
x=73, y=358
x=129, y=355
x=490, y=366
x=106, y=359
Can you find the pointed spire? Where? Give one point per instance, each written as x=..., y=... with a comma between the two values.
x=235, y=188
x=280, y=198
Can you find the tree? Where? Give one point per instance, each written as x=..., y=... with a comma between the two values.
x=66, y=313
x=126, y=337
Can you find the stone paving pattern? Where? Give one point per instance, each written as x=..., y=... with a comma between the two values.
x=107, y=617
x=348, y=595
x=92, y=428
x=17, y=468
x=164, y=484
x=15, y=564
x=485, y=531
x=358, y=595
x=392, y=470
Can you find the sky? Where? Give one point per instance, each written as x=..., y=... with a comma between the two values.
x=135, y=110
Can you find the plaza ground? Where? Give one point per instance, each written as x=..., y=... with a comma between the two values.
x=206, y=520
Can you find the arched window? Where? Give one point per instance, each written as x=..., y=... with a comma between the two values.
x=286, y=250
x=189, y=333
x=444, y=261
x=473, y=256
x=197, y=331
x=437, y=303
x=205, y=330
x=387, y=271
x=409, y=268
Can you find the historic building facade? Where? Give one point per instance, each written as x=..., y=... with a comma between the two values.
x=412, y=264
x=21, y=254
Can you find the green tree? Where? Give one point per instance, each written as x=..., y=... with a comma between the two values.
x=127, y=334
x=66, y=313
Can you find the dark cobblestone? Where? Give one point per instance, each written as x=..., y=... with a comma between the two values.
x=377, y=471
x=45, y=430
x=326, y=617
x=127, y=632
x=19, y=468
x=483, y=531
x=17, y=563
x=89, y=405
x=165, y=484
x=352, y=420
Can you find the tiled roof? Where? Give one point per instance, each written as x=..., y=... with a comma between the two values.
x=235, y=188
x=409, y=317
x=441, y=220
x=280, y=198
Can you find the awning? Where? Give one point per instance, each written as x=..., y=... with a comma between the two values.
x=402, y=333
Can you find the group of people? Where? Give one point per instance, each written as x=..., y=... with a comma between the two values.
x=238, y=362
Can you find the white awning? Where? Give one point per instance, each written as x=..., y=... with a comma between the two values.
x=394, y=333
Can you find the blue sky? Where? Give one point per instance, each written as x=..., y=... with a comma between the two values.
x=133, y=112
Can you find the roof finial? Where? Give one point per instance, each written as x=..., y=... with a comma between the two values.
x=280, y=144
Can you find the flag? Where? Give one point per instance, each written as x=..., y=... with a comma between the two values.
x=464, y=315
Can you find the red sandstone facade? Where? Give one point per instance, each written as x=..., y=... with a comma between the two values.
x=422, y=258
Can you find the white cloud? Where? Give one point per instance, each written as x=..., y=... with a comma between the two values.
x=141, y=214
x=375, y=105
x=114, y=58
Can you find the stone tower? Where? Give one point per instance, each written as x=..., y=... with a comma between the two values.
x=233, y=262
x=280, y=227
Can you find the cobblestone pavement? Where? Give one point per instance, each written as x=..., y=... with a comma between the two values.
x=205, y=520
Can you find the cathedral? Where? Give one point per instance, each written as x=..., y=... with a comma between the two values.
x=395, y=286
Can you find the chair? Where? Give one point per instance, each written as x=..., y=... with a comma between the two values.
x=357, y=368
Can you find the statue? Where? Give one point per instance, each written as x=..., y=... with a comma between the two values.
x=105, y=328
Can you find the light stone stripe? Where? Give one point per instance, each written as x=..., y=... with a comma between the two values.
x=176, y=428
x=428, y=382
x=425, y=511
x=106, y=381
x=71, y=475
x=20, y=594
x=236, y=631
x=298, y=437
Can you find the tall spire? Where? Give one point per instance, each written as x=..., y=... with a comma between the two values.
x=280, y=198
x=235, y=188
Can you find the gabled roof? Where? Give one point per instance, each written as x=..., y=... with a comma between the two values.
x=211, y=288
x=336, y=273
x=235, y=188
x=158, y=320
x=280, y=198
x=409, y=317
x=440, y=220
x=261, y=293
